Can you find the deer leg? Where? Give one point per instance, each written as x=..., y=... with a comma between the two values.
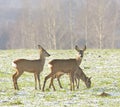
x=73, y=81
x=50, y=82
x=38, y=77
x=58, y=79
x=50, y=85
x=72, y=87
x=77, y=81
x=70, y=82
x=13, y=76
x=78, y=84
x=35, y=76
x=46, y=78
x=18, y=74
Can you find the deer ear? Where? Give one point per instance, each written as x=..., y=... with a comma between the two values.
x=39, y=47
x=76, y=47
x=84, y=48
x=90, y=77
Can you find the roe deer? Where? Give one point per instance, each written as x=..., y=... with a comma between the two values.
x=61, y=66
x=32, y=66
x=79, y=74
x=59, y=74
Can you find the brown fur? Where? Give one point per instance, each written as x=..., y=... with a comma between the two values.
x=63, y=66
x=79, y=74
x=104, y=94
x=31, y=66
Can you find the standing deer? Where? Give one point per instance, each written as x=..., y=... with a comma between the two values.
x=31, y=66
x=79, y=74
x=59, y=74
x=62, y=66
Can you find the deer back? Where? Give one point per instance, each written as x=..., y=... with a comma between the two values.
x=32, y=65
x=63, y=65
x=29, y=65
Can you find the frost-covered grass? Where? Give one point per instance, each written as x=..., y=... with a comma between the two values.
x=102, y=65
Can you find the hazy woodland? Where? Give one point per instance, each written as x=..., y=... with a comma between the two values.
x=59, y=24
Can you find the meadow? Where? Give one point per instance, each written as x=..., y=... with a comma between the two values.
x=102, y=65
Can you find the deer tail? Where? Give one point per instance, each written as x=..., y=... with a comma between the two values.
x=49, y=65
x=14, y=65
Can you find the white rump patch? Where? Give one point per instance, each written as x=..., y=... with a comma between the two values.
x=13, y=64
x=49, y=65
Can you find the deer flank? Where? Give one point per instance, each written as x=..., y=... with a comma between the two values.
x=78, y=60
x=31, y=66
x=65, y=66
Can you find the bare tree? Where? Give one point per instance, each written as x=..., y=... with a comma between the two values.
x=71, y=23
x=99, y=21
x=86, y=23
x=60, y=24
x=115, y=21
x=27, y=26
x=50, y=24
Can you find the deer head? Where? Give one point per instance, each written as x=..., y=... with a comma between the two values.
x=43, y=51
x=81, y=51
x=88, y=82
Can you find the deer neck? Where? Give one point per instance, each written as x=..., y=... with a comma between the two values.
x=83, y=77
x=78, y=60
x=42, y=59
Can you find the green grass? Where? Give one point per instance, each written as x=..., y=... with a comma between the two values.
x=102, y=65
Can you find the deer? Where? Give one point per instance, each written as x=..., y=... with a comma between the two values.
x=32, y=66
x=64, y=66
x=79, y=74
x=59, y=74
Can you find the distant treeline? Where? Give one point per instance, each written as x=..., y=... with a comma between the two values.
x=60, y=24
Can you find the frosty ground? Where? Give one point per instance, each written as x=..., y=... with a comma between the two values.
x=102, y=65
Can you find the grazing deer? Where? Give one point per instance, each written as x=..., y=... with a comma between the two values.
x=62, y=66
x=31, y=66
x=59, y=74
x=79, y=74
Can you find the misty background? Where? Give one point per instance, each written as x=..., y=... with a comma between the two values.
x=59, y=24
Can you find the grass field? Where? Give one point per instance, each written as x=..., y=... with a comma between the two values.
x=102, y=65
